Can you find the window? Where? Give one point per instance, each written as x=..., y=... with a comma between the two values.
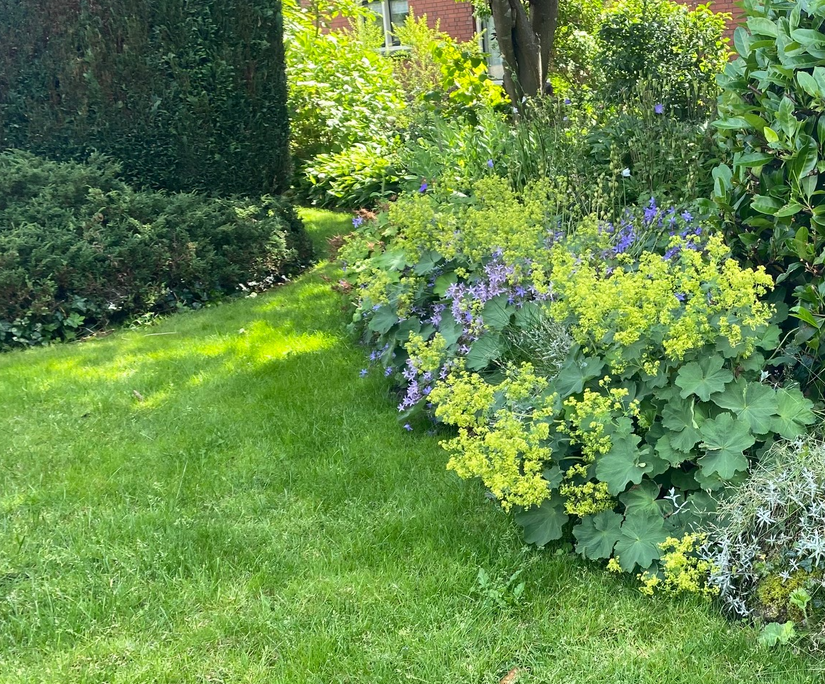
x=388, y=15
x=486, y=30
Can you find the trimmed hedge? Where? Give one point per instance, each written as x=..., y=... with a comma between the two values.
x=80, y=249
x=189, y=96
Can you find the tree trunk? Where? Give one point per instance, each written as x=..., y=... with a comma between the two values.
x=525, y=38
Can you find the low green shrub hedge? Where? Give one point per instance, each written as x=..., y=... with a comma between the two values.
x=80, y=249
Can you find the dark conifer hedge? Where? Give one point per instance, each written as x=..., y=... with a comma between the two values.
x=186, y=94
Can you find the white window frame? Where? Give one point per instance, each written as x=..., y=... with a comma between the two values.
x=386, y=17
x=485, y=30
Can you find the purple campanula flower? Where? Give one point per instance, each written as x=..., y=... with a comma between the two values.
x=423, y=187
x=567, y=101
x=357, y=221
x=680, y=296
x=658, y=108
x=408, y=427
x=363, y=372
x=388, y=372
x=687, y=216
x=489, y=163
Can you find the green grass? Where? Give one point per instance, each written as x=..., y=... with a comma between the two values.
x=221, y=498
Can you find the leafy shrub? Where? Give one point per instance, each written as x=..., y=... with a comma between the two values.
x=359, y=176
x=623, y=157
x=446, y=77
x=575, y=46
x=342, y=90
x=660, y=388
x=770, y=192
x=188, y=96
x=79, y=248
x=767, y=549
x=664, y=43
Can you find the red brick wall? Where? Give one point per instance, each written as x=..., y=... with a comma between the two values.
x=456, y=18
x=728, y=6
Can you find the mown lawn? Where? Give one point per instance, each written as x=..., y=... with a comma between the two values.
x=221, y=498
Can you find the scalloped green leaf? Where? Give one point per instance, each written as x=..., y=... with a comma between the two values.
x=794, y=412
x=639, y=544
x=665, y=450
x=596, y=535
x=752, y=402
x=383, y=319
x=543, y=524
x=679, y=417
x=484, y=350
x=573, y=375
x=644, y=498
x=725, y=441
x=496, y=313
x=703, y=378
x=622, y=464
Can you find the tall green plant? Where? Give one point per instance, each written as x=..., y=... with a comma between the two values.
x=772, y=122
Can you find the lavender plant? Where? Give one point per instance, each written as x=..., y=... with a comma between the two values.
x=767, y=549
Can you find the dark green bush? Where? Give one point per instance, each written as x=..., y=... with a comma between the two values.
x=771, y=192
x=663, y=43
x=80, y=249
x=187, y=95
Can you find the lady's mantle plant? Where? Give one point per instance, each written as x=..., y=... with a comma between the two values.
x=655, y=391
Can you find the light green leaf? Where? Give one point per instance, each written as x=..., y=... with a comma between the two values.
x=596, y=535
x=762, y=27
x=678, y=416
x=622, y=464
x=639, y=544
x=484, y=350
x=496, y=313
x=543, y=524
x=703, y=378
x=794, y=412
x=383, y=319
x=752, y=402
x=725, y=440
x=777, y=633
x=770, y=135
x=643, y=498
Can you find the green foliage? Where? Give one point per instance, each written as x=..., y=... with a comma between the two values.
x=187, y=96
x=772, y=122
x=444, y=76
x=661, y=42
x=660, y=388
x=342, y=90
x=79, y=248
x=360, y=176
